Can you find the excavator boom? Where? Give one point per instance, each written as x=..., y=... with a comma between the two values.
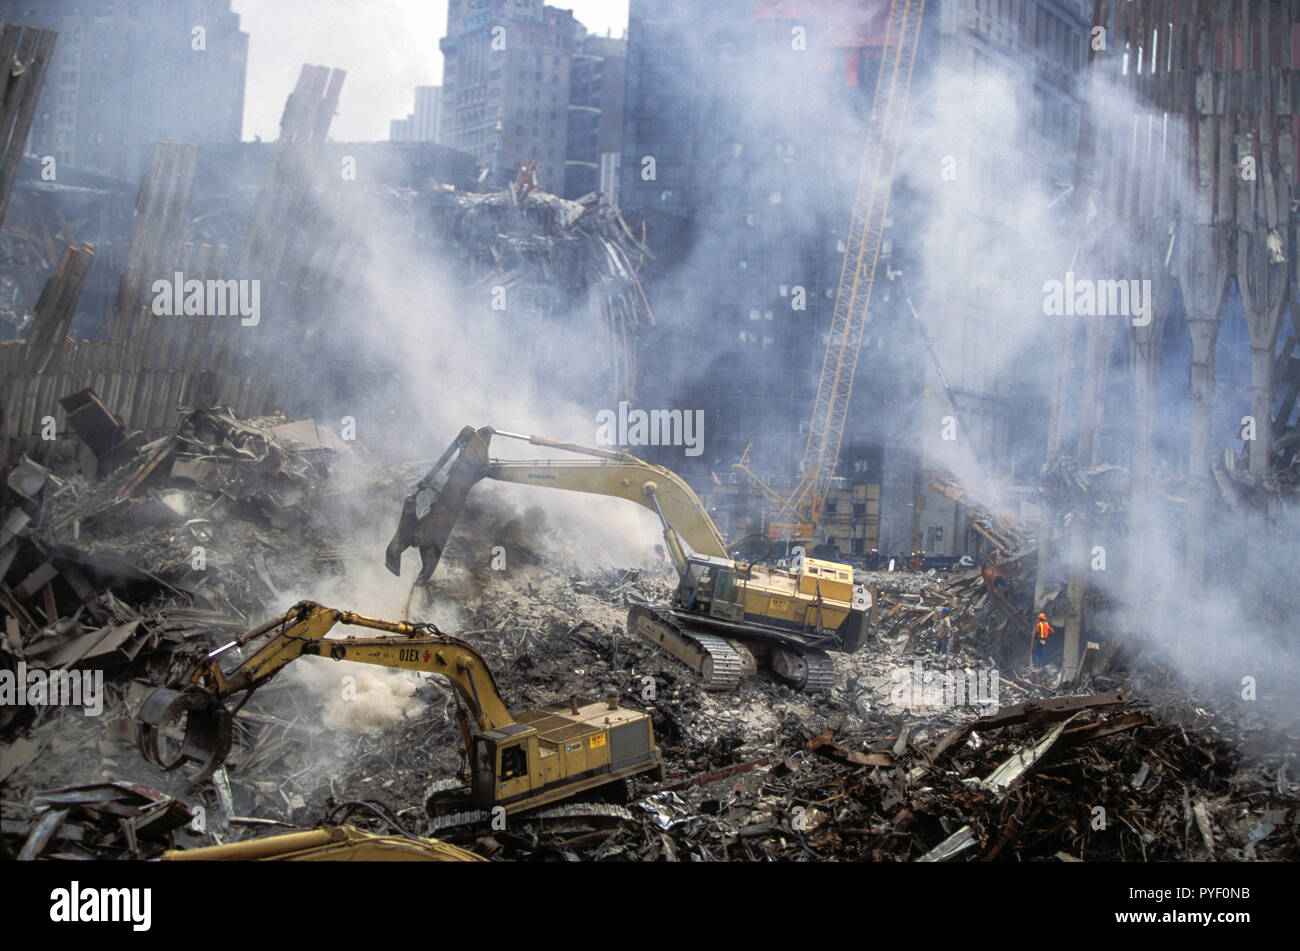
x=428, y=516
x=301, y=631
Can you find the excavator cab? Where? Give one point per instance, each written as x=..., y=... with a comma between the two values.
x=710, y=586
x=505, y=764
x=557, y=750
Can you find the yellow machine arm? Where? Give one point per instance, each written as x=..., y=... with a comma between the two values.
x=616, y=474
x=301, y=630
x=327, y=844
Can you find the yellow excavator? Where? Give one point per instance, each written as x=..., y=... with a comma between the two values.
x=519, y=762
x=725, y=618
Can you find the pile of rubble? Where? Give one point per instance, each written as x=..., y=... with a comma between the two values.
x=913, y=755
x=881, y=769
x=196, y=519
x=138, y=555
x=109, y=819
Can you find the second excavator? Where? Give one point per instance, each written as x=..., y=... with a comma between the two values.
x=518, y=762
x=726, y=617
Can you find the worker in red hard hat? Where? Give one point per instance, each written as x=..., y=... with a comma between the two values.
x=1042, y=631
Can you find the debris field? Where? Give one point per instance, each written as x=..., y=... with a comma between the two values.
x=103, y=572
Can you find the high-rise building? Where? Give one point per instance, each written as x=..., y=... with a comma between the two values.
x=422, y=124
x=1034, y=50
x=401, y=130
x=128, y=73
x=595, y=133
x=505, y=89
x=428, y=107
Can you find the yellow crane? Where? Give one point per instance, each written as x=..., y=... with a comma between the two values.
x=796, y=516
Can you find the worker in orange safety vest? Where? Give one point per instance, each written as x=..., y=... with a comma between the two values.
x=1042, y=631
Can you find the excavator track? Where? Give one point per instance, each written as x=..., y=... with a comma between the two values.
x=585, y=810
x=719, y=665
x=442, y=787
x=574, y=810
x=446, y=796
x=809, y=670
x=458, y=820
x=721, y=668
x=821, y=672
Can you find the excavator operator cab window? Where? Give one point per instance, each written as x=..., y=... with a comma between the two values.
x=697, y=586
x=514, y=762
x=725, y=589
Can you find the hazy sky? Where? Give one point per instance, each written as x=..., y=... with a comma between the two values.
x=388, y=47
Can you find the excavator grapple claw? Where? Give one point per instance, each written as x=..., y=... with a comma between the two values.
x=207, y=730
x=401, y=538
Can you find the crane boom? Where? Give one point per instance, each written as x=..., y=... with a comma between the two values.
x=801, y=510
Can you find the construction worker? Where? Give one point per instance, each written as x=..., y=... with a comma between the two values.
x=702, y=594
x=1042, y=631
x=945, y=630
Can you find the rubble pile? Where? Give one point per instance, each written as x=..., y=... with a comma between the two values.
x=913, y=755
x=988, y=608
x=768, y=773
x=206, y=513
x=523, y=231
x=143, y=556
x=990, y=791
x=117, y=820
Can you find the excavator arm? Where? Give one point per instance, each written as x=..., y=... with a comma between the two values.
x=428, y=516
x=200, y=697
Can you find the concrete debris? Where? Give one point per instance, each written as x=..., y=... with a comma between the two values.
x=913, y=755
x=117, y=820
x=103, y=432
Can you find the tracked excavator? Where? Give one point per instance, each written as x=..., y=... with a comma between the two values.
x=519, y=762
x=726, y=618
